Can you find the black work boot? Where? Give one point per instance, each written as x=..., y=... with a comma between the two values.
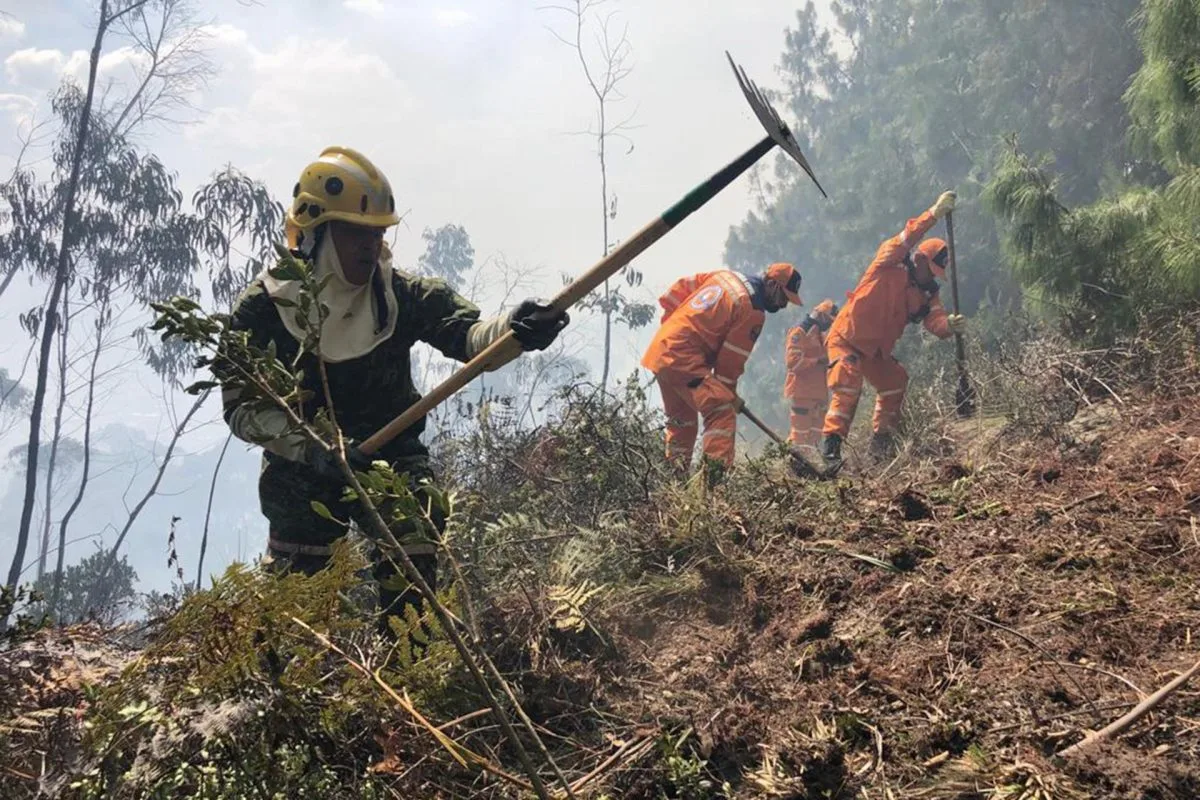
x=831, y=453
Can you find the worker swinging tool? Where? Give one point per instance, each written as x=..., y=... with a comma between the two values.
x=898, y=289
x=341, y=207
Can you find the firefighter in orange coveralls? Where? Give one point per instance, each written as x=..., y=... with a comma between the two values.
x=804, y=388
x=709, y=325
x=898, y=289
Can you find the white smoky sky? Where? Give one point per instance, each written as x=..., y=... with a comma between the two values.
x=471, y=107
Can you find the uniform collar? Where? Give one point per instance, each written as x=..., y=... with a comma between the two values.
x=757, y=288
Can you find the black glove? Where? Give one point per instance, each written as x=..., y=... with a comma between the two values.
x=324, y=462
x=536, y=325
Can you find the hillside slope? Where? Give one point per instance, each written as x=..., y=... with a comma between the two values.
x=938, y=632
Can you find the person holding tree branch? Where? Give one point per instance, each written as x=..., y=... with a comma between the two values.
x=341, y=207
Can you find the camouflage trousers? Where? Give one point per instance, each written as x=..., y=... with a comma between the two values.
x=301, y=540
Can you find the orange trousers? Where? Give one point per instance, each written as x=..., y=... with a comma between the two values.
x=807, y=413
x=847, y=369
x=684, y=397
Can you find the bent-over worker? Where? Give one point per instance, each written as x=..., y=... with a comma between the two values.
x=806, y=362
x=709, y=326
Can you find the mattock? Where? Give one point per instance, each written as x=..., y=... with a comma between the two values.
x=964, y=392
x=506, y=348
x=801, y=466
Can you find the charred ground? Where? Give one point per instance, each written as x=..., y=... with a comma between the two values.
x=940, y=626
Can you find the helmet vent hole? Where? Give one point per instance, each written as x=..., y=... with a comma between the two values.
x=334, y=186
x=296, y=190
x=362, y=204
x=314, y=211
x=391, y=202
x=303, y=207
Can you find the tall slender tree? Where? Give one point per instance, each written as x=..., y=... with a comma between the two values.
x=605, y=66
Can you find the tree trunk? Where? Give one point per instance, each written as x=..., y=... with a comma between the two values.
x=212, y=490
x=12, y=273
x=607, y=293
x=48, y=326
x=87, y=461
x=137, y=509
x=58, y=413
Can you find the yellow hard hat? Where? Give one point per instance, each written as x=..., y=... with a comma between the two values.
x=342, y=184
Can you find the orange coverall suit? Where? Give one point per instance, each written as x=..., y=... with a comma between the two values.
x=859, y=344
x=709, y=326
x=804, y=388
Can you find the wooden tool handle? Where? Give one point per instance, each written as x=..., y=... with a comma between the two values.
x=748, y=414
x=960, y=351
x=506, y=348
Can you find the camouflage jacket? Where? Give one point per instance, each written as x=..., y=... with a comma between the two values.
x=367, y=392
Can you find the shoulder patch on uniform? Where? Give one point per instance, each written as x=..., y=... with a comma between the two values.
x=754, y=332
x=706, y=298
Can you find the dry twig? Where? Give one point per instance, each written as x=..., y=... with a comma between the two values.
x=1143, y=708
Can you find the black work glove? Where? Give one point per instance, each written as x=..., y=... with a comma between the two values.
x=535, y=325
x=324, y=462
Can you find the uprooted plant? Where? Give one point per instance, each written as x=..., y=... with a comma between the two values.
x=266, y=382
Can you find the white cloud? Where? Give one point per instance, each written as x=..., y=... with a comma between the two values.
x=44, y=68
x=16, y=102
x=224, y=35
x=19, y=107
x=124, y=59
x=32, y=66
x=353, y=92
x=11, y=28
x=375, y=8
x=452, y=17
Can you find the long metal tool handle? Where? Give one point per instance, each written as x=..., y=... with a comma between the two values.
x=960, y=351
x=964, y=394
x=506, y=348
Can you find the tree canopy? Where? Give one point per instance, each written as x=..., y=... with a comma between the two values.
x=896, y=101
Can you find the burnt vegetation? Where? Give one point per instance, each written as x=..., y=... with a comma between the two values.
x=949, y=622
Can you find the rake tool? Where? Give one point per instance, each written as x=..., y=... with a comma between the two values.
x=506, y=348
x=801, y=466
x=964, y=393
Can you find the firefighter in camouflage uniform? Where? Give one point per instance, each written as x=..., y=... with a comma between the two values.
x=340, y=209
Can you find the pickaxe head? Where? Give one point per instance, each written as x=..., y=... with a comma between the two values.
x=776, y=128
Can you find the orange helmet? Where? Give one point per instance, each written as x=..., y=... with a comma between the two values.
x=788, y=278
x=935, y=253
